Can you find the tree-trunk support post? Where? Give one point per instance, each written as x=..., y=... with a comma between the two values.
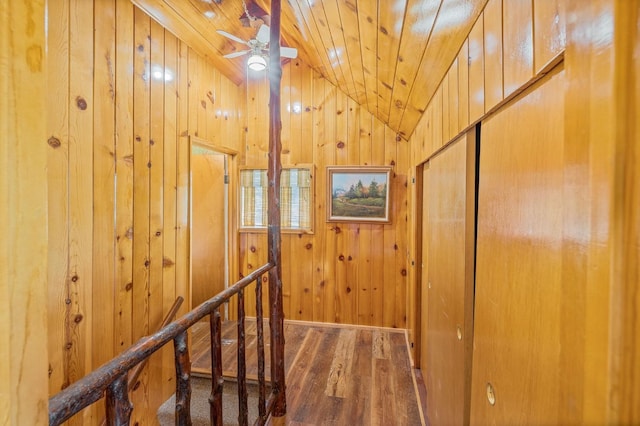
x=276, y=312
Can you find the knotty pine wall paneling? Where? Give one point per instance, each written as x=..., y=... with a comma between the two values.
x=344, y=272
x=23, y=216
x=124, y=96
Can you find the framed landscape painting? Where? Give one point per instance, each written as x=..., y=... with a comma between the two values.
x=358, y=194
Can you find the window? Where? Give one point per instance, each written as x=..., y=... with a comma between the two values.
x=296, y=199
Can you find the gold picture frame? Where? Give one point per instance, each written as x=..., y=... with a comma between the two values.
x=358, y=194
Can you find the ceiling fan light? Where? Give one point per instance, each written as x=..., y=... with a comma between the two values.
x=256, y=63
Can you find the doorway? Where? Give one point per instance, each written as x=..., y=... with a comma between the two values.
x=210, y=222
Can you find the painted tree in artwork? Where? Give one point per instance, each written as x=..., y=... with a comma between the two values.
x=374, y=191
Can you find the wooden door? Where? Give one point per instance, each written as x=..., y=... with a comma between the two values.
x=448, y=231
x=517, y=362
x=208, y=225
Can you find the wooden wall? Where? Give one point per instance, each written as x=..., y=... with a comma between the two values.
x=23, y=215
x=124, y=96
x=344, y=272
x=558, y=179
x=474, y=87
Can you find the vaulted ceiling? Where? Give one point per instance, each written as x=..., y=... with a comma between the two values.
x=388, y=55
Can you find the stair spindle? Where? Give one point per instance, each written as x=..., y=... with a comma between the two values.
x=262, y=409
x=242, y=368
x=217, y=381
x=183, y=382
x=118, y=405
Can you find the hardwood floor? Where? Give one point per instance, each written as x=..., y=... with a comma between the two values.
x=335, y=375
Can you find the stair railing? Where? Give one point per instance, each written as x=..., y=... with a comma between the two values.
x=111, y=378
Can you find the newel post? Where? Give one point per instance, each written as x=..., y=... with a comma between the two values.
x=276, y=313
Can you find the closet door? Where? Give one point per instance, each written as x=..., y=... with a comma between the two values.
x=449, y=288
x=518, y=373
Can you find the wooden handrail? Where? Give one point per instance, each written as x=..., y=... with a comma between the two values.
x=93, y=386
x=135, y=373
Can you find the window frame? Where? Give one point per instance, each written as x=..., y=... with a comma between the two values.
x=263, y=229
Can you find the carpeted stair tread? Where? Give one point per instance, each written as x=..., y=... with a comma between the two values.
x=200, y=391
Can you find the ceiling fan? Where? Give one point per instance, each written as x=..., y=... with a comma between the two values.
x=258, y=48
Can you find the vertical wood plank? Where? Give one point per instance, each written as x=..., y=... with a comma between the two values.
x=286, y=106
x=517, y=44
x=305, y=277
x=378, y=150
x=319, y=174
x=454, y=100
x=169, y=183
x=141, y=183
x=331, y=229
x=307, y=149
x=124, y=172
x=493, y=58
x=58, y=191
x=401, y=217
x=342, y=135
x=463, y=86
x=23, y=217
x=446, y=112
x=476, y=71
x=156, y=202
x=297, y=139
x=437, y=130
x=217, y=113
x=200, y=91
x=182, y=177
x=104, y=149
x=81, y=127
x=353, y=132
x=549, y=33
x=390, y=245
x=290, y=295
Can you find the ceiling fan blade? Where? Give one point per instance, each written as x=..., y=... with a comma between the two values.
x=288, y=52
x=236, y=54
x=231, y=36
x=263, y=34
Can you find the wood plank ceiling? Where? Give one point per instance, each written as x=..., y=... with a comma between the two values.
x=388, y=55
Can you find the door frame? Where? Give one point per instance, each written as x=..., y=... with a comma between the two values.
x=231, y=243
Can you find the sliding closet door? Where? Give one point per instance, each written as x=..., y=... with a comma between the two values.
x=449, y=196
x=517, y=361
